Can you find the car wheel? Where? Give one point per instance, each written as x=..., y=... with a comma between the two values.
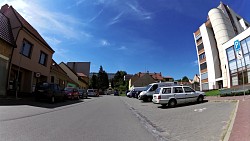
x=172, y=103
x=200, y=99
x=149, y=99
x=52, y=100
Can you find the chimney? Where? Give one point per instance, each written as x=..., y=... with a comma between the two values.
x=4, y=8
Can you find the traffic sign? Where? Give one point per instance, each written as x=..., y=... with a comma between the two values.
x=237, y=45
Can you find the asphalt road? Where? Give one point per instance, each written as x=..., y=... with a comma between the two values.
x=105, y=118
x=112, y=118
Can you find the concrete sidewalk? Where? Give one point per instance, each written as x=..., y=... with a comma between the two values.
x=241, y=126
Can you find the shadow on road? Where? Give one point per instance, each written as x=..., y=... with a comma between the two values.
x=183, y=105
x=32, y=102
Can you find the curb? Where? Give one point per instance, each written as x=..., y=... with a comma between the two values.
x=231, y=123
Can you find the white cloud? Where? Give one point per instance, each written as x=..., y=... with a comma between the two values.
x=104, y=42
x=46, y=21
x=52, y=40
x=139, y=11
x=195, y=63
x=116, y=19
x=96, y=16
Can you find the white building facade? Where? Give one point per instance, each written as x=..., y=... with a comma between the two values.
x=222, y=25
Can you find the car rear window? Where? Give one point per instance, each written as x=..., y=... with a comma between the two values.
x=90, y=90
x=68, y=89
x=157, y=91
x=43, y=86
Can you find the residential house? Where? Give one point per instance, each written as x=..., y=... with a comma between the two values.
x=142, y=79
x=168, y=79
x=71, y=74
x=7, y=45
x=58, y=75
x=82, y=69
x=31, y=59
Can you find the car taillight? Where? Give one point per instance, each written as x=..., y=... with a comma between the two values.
x=159, y=97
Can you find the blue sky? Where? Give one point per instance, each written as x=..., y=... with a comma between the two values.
x=130, y=35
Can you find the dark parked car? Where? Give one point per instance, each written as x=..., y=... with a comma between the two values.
x=82, y=93
x=116, y=93
x=49, y=91
x=71, y=93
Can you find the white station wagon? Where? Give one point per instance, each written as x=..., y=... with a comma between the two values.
x=174, y=95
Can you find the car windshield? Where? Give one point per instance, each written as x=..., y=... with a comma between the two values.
x=148, y=87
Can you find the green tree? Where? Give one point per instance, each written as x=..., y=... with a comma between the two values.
x=103, y=81
x=119, y=79
x=93, y=82
x=185, y=79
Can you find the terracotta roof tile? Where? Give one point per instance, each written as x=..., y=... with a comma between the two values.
x=5, y=30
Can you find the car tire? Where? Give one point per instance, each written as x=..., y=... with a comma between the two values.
x=172, y=103
x=149, y=99
x=200, y=99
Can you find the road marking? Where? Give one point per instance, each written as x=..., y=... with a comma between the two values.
x=200, y=110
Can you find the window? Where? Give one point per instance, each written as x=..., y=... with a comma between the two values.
x=230, y=54
x=248, y=42
x=178, y=90
x=166, y=91
x=233, y=66
x=203, y=66
x=52, y=79
x=204, y=86
x=204, y=76
x=200, y=47
x=26, y=49
x=244, y=47
x=43, y=58
x=202, y=56
x=188, y=89
x=234, y=80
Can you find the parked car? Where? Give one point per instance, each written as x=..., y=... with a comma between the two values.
x=147, y=94
x=174, y=95
x=82, y=93
x=71, y=93
x=92, y=92
x=49, y=91
x=116, y=93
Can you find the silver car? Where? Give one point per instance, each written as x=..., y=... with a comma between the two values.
x=174, y=95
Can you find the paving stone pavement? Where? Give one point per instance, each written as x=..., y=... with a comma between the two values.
x=241, y=126
x=194, y=122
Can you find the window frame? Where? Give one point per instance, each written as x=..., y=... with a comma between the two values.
x=30, y=49
x=45, y=59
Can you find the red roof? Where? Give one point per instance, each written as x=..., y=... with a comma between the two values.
x=156, y=76
x=81, y=75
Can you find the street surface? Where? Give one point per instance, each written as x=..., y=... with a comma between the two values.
x=111, y=118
